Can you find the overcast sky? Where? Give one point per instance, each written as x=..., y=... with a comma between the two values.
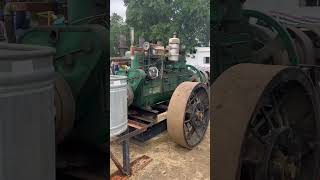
x=118, y=7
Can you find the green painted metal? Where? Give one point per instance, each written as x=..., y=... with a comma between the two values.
x=149, y=92
x=81, y=58
x=135, y=61
x=79, y=10
x=232, y=39
x=283, y=33
x=198, y=75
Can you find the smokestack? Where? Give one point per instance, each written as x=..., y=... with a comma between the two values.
x=132, y=35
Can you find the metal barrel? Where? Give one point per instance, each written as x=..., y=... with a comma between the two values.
x=118, y=105
x=27, y=137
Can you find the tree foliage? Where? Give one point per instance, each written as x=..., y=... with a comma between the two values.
x=118, y=26
x=159, y=19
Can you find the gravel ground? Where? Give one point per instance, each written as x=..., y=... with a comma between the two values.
x=169, y=160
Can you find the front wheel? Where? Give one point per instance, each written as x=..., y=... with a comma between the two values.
x=188, y=114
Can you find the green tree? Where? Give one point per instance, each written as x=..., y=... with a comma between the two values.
x=118, y=26
x=159, y=19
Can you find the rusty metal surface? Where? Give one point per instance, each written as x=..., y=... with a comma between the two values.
x=141, y=120
x=136, y=124
x=116, y=162
x=123, y=137
x=187, y=97
x=136, y=166
x=176, y=112
x=143, y=117
x=65, y=109
x=234, y=96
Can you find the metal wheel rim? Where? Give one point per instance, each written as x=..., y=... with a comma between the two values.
x=272, y=51
x=283, y=38
x=188, y=114
x=285, y=152
x=238, y=90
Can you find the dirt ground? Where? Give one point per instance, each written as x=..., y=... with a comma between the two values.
x=169, y=160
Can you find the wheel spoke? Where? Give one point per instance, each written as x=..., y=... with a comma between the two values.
x=267, y=117
x=277, y=113
x=196, y=128
x=189, y=131
x=259, y=125
x=192, y=131
x=192, y=99
x=257, y=136
x=189, y=110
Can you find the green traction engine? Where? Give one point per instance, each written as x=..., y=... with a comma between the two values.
x=163, y=90
x=155, y=72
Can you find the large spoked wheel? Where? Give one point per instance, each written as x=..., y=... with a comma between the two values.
x=272, y=43
x=188, y=114
x=282, y=133
x=266, y=124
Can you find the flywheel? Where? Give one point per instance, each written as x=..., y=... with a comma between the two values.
x=188, y=114
x=266, y=124
x=65, y=109
x=272, y=43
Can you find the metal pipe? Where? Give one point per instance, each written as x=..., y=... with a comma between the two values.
x=132, y=35
x=116, y=162
x=126, y=157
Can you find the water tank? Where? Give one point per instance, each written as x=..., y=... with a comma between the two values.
x=27, y=137
x=174, y=48
x=118, y=105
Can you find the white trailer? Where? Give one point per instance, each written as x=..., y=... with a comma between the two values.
x=201, y=59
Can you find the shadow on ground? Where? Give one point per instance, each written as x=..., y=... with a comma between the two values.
x=170, y=161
